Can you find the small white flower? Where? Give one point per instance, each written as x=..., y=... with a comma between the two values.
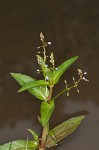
x=85, y=79
x=38, y=71
x=56, y=68
x=85, y=73
x=46, y=78
x=46, y=66
x=49, y=43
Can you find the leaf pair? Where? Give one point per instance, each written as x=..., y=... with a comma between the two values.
x=39, y=87
x=54, y=136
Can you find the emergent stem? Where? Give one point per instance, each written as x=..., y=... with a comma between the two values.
x=44, y=136
x=50, y=94
x=46, y=127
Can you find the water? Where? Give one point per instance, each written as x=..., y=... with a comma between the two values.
x=73, y=29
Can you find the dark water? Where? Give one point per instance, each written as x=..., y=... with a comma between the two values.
x=73, y=29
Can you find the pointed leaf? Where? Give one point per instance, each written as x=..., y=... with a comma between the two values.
x=46, y=111
x=63, y=130
x=21, y=78
x=35, y=136
x=62, y=68
x=39, y=92
x=33, y=84
x=20, y=145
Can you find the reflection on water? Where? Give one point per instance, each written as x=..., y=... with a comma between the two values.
x=73, y=28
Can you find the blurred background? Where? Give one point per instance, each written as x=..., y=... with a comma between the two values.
x=73, y=28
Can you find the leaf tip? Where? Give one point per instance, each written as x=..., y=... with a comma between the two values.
x=76, y=57
x=11, y=73
x=28, y=130
x=80, y=118
x=83, y=116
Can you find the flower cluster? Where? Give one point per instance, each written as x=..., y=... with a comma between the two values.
x=76, y=83
x=44, y=44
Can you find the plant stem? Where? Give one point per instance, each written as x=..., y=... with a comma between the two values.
x=50, y=94
x=67, y=89
x=44, y=136
x=46, y=127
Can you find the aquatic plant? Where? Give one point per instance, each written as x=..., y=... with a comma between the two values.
x=43, y=90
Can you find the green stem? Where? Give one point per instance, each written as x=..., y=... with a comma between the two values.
x=50, y=94
x=44, y=136
x=67, y=89
x=46, y=127
x=60, y=93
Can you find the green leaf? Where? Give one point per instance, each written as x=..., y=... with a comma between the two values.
x=46, y=111
x=63, y=130
x=21, y=78
x=62, y=68
x=20, y=145
x=33, y=84
x=35, y=136
x=40, y=92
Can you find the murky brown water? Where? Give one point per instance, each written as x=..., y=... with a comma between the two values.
x=73, y=28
